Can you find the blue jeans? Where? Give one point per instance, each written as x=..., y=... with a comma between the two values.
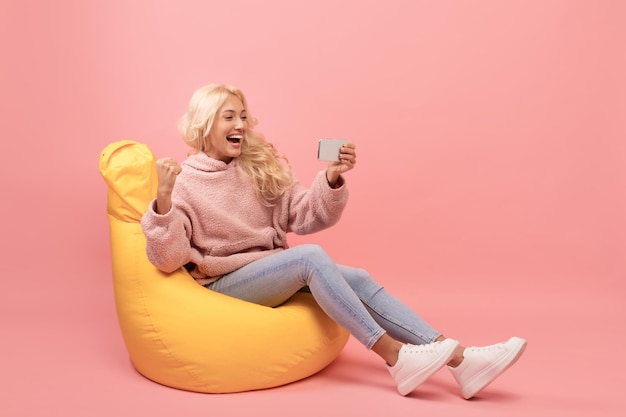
x=348, y=295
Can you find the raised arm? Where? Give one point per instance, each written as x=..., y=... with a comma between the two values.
x=167, y=228
x=322, y=204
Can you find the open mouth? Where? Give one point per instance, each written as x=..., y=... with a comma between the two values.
x=234, y=138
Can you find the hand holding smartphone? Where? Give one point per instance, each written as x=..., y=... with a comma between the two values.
x=328, y=149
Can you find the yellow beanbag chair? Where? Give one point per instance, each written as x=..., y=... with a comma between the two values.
x=183, y=335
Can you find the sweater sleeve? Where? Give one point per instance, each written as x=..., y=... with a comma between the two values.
x=317, y=208
x=167, y=238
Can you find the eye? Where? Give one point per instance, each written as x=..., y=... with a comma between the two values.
x=244, y=117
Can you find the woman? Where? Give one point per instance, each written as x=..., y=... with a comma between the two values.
x=224, y=214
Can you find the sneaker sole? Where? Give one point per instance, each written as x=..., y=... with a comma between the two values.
x=488, y=375
x=414, y=380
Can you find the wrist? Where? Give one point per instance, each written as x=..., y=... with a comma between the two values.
x=164, y=192
x=334, y=180
x=331, y=179
x=163, y=203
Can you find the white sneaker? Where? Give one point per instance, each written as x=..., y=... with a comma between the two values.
x=482, y=365
x=416, y=363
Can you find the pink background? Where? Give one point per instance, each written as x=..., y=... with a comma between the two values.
x=489, y=192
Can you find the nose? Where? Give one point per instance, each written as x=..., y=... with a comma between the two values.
x=239, y=123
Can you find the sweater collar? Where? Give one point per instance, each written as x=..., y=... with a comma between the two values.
x=203, y=162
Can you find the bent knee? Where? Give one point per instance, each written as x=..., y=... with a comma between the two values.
x=359, y=278
x=311, y=251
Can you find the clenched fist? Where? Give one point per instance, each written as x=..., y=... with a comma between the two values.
x=167, y=170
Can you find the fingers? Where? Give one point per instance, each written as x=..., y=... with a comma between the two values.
x=168, y=166
x=347, y=154
x=347, y=159
x=167, y=170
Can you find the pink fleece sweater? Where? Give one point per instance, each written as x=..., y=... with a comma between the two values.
x=218, y=223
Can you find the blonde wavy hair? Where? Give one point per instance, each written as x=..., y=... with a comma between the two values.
x=258, y=159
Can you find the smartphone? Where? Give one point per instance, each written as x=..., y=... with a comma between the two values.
x=328, y=149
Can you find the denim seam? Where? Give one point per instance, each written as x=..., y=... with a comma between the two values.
x=391, y=320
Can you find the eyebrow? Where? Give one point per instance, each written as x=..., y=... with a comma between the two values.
x=232, y=111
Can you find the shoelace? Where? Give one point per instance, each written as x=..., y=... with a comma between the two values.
x=414, y=349
x=497, y=346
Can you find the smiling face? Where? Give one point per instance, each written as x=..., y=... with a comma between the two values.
x=228, y=130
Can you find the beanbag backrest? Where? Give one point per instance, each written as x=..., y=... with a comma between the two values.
x=129, y=169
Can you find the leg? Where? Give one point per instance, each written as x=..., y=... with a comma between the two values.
x=396, y=318
x=474, y=368
x=272, y=280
